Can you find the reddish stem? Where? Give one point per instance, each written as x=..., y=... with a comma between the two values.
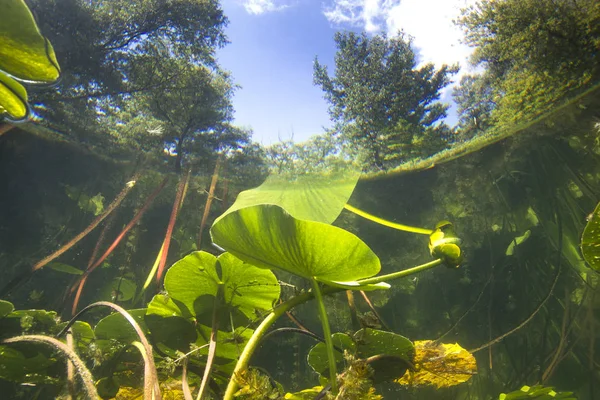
x=115, y=243
x=181, y=190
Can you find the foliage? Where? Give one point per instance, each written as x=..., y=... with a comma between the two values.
x=590, y=241
x=439, y=365
x=474, y=97
x=534, y=52
x=385, y=107
x=538, y=392
x=25, y=55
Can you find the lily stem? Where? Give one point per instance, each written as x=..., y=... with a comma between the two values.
x=327, y=334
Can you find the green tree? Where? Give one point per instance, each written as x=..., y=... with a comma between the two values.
x=474, y=98
x=534, y=51
x=101, y=44
x=382, y=104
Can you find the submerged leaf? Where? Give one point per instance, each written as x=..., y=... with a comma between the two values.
x=538, y=392
x=440, y=365
x=590, y=241
x=6, y=307
x=317, y=356
x=268, y=237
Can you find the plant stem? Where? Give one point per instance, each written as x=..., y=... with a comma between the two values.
x=89, y=389
x=327, y=334
x=403, y=273
x=255, y=339
x=286, y=306
x=389, y=224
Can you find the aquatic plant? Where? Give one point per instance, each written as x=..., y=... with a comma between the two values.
x=202, y=322
x=25, y=55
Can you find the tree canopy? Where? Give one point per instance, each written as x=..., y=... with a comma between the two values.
x=382, y=102
x=139, y=74
x=534, y=52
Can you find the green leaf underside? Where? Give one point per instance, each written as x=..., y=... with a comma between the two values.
x=372, y=342
x=24, y=52
x=116, y=327
x=537, y=392
x=193, y=281
x=13, y=98
x=310, y=197
x=317, y=356
x=6, y=307
x=268, y=237
x=367, y=343
x=590, y=241
x=18, y=367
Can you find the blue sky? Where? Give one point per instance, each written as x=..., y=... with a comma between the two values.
x=274, y=42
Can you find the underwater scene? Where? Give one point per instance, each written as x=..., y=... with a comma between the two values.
x=429, y=228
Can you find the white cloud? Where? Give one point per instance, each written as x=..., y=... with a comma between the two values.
x=257, y=7
x=429, y=22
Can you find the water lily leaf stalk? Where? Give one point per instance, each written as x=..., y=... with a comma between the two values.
x=42, y=263
x=86, y=377
x=161, y=259
x=114, y=244
x=389, y=224
x=283, y=308
x=209, y=199
x=212, y=348
x=327, y=334
x=150, y=374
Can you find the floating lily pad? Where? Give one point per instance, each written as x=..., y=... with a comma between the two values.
x=116, y=327
x=24, y=365
x=167, y=325
x=317, y=356
x=313, y=197
x=83, y=334
x=27, y=321
x=398, y=349
x=590, y=241
x=269, y=237
x=440, y=365
x=24, y=53
x=118, y=289
x=537, y=392
x=6, y=307
x=194, y=281
x=306, y=394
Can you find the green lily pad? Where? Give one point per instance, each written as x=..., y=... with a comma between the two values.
x=373, y=342
x=590, y=241
x=6, y=307
x=317, y=356
x=312, y=197
x=67, y=269
x=119, y=289
x=194, y=281
x=167, y=326
x=538, y=392
x=24, y=365
x=13, y=98
x=24, y=53
x=269, y=237
x=229, y=344
x=83, y=334
x=116, y=327
x=27, y=321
